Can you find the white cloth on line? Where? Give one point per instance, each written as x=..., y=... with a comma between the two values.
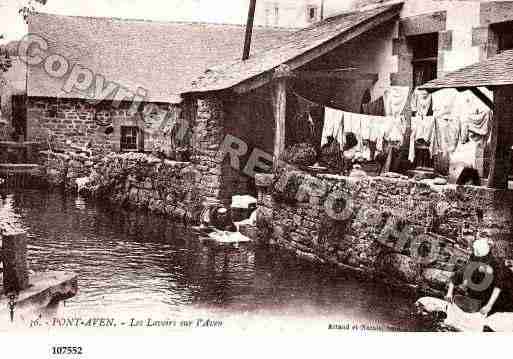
x=422, y=127
x=332, y=125
x=395, y=99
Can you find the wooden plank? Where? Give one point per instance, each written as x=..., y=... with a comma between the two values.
x=46, y=288
x=253, y=84
x=480, y=95
x=342, y=74
x=280, y=112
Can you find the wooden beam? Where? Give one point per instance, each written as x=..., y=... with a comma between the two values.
x=480, y=95
x=503, y=138
x=320, y=50
x=337, y=41
x=493, y=153
x=253, y=84
x=343, y=74
x=280, y=112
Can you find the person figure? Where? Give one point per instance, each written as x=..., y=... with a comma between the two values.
x=357, y=171
x=222, y=220
x=329, y=155
x=350, y=151
x=485, y=279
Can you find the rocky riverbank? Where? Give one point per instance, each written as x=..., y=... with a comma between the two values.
x=129, y=179
x=408, y=232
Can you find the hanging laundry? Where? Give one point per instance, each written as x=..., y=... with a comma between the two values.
x=365, y=99
x=421, y=103
x=476, y=125
x=375, y=108
x=421, y=129
x=466, y=103
x=351, y=123
x=369, y=130
x=395, y=129
x=395, y=99
x=333, y=125
x=444, y=103
x=447, y=135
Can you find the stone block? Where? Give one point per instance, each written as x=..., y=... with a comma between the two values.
x=399, y=266
x=436, y=278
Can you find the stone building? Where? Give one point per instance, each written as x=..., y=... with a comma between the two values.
x=378, y=46
x=105, y=80
x=249, y=107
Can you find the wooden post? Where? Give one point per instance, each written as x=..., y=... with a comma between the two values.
x=280, y=111
x=493, y=151
x=503, y=138
x=14, y=258
x=249, y=30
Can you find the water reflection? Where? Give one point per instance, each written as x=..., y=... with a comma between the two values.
x=138, y=262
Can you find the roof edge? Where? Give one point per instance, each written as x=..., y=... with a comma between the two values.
x=150, y=21
x=393, y=7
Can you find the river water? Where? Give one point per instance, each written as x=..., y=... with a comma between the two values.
x=135, y=265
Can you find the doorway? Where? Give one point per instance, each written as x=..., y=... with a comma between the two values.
x=19, y=117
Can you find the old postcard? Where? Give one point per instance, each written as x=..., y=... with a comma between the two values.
x=278, y=166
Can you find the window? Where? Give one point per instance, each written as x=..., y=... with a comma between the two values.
x=425, y=57
x=311, y=13
x=504, y=32
x=129, y=138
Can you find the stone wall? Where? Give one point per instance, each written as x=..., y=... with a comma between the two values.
x=212, y=119
x=401, y=230
x=206, y=118
x=63, y=169
x=142, y=181
x=80, y=121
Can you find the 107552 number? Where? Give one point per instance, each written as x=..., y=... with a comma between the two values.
x=63, y=350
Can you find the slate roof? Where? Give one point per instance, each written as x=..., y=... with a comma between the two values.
x=162, y=57
x=495, y=71
x=291, y=47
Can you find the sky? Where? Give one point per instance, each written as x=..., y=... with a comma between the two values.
x=224, y=11
x=232, y=11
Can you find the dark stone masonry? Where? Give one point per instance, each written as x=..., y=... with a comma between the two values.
x=405, y=231
x=142, y=180
x=59, y=121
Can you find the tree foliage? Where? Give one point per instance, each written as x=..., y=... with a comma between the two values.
x=29, y=8
x=24, y=11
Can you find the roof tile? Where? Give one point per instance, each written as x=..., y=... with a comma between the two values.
x=161, y=57
x=291, y=46
x=495, y=71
